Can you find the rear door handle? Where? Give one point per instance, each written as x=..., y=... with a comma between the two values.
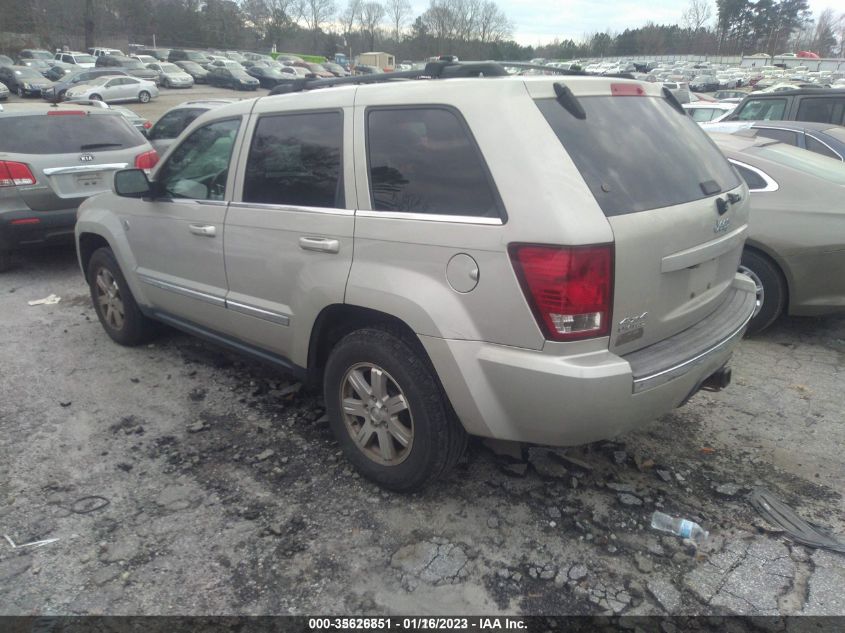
x=321, y=244
x=201, y=229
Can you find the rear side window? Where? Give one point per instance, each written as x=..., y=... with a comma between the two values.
x=754, y=180
x=821, y=110
x=762, y=110
x=44, y=134
x=804, y=161
x=423, y=160
x=662, y=160
x=820, y=148
x=295, y=159
x=784, y=136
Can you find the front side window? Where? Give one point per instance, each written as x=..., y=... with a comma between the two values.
x=754, y=180
x=172, y=123
x=424, y=160
x=784, y=136
x=296, y=159
x=763, y=110
x=199, y=167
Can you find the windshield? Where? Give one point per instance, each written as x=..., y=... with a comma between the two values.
x=810, y=163
x=40, y=55
x=29, y=74
x=197, y=57
x=665, y=160
x=171, y=68
x=192, y=66
x=85, y=59
x=132, y=63
x=837, y=132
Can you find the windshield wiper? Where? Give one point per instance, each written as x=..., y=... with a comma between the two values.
x=99, y=145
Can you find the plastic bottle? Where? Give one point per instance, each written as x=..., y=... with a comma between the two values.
x=679, y=527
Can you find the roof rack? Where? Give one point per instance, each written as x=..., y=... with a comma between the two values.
x=432, y=70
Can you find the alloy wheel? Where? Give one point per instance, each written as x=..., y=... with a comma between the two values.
x=109, y=299
x=376, y=414
x=758, y=284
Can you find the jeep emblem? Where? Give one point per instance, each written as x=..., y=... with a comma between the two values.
x=86, y=158
x=722, y=225
x=721, y=206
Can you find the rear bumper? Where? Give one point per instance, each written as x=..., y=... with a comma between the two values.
x=532, y=396
x=52, y=227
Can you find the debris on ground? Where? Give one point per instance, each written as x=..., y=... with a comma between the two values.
x=781, y=515
x=46, y=301
x=33, y=544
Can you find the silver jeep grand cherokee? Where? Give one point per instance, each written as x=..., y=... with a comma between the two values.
x=548, y=260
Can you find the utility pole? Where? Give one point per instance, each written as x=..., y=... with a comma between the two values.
x=89, y=24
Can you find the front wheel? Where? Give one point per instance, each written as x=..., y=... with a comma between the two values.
x=144, y=96
x=96, y=98
x=388, y=412
x=21, y=91
x=119, y=315
x=771, y=289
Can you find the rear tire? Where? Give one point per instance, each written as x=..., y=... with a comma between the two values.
x=144, y=96
x=771, y=289
x=96, y=98
x=5, y=261
x=21, y=92
x=116, y=308
x=378, y=387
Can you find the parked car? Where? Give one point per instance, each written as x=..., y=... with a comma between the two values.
x=704, y=83
x=131, y=66
x=4, y=92
x=199, y=74
x=6, y=61
x=174, y=121
x=821, y=138
x=817, y=104
x=184, y=55
x=113, y=89
x=146, y=60
x=363, y=69
x=101, y=52
x=36, y=64
x=34, y=53
x=729, y=94
x=231, y=78
x=58, y=71
x=24, y=81
x=548, y=310
x=795, y=250
x=138, y=122
x=339, y=71
x=269, y=77
x=59, y=89
x=161, y=54
x=317, y=69
x=171, y=76
x=49, y=164
x=82, y=60
x=704, y=111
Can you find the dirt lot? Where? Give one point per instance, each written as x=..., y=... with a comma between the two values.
x=182, y=480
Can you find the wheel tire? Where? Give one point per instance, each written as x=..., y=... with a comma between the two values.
x=771, y=289
x=96, y=98
x=144, y=96
x=62, y=94
x=166, y=83
x=135, y=328
x=21, y=91
x=437, y=440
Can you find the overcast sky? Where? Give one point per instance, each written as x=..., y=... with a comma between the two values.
x=540, y=21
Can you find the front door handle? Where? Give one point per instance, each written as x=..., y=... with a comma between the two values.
x=320, y=244
x=201, y=229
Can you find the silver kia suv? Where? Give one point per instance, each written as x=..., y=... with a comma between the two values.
x=540, y=259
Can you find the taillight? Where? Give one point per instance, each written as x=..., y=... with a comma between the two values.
x=147, y=125
x=569, y=288
x=147, y=160
x=66, y=113
x=13, y=174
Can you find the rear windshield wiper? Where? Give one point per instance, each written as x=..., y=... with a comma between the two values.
x=569, y=101
x=99, y=146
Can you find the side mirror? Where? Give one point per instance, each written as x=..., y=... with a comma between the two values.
x=132, y=183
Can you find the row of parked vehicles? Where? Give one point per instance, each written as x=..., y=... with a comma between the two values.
x=401, y=247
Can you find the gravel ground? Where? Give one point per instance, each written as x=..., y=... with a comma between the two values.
x=182, y=480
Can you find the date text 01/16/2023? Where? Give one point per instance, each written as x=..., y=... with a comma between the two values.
x=476, y=623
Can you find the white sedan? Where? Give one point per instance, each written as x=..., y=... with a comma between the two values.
x=111, y=88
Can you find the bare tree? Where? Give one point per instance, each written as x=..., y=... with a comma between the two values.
x=398, y=12
x=493, y=24
x=372, y=14
x=697, y=14
x=315, y=13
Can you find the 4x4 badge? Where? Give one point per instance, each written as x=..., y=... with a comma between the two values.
x=86, y=158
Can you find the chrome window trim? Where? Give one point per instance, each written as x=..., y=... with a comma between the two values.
x=771, y=183
x=429, y=217
x=182, y=290
x=666, y=375
x=81, y=169
x=260, y=313
x=291, y=207
x=818, y=140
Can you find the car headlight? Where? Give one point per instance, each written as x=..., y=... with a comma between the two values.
x=27, y=85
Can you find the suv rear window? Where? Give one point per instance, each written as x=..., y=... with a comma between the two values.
x=43, y=134
x=821, y=110
x=638, y=153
